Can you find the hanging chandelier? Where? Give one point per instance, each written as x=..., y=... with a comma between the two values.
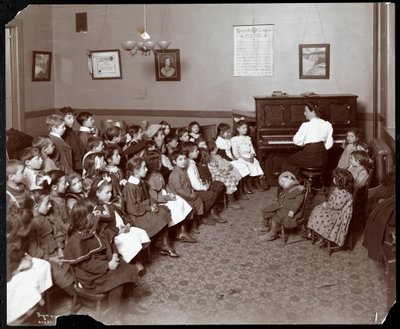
x=146, y=46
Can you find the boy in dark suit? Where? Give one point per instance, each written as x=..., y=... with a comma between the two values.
x=71, y=137
x=62, y=155
x=87, y=128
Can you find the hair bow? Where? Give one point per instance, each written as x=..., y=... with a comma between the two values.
x=237, y=119
x=106, y=179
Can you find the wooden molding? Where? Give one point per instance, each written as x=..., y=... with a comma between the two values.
x=40, y=113
x=166, y=113
x=150, y=113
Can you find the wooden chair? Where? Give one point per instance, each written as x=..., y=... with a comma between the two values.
x=359, y=216
x=81, y=292
x=301, y=213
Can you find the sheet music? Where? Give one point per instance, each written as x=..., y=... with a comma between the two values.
x=253, y=50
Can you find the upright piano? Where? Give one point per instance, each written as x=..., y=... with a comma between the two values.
x=279, y=117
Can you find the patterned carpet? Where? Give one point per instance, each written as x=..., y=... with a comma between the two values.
x=230, y=277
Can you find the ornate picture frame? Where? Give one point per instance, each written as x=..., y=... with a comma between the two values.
x=105, y=64
x=41, y=65
x=167, y=65
x=314, y=61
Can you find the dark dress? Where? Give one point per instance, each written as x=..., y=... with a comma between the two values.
x=179, y=184
x=89, y=255
x=78, y=149
x=62, y=155
x=138, y=207
x=42, y=243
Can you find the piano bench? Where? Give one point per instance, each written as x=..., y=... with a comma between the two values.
x=312, y=174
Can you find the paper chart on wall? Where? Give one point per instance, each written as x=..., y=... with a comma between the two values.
x=253, y=50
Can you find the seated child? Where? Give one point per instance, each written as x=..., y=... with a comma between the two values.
x=360, y=163
x=331, y=219
x=112, y=135
x=113, y=159
x=15, y=189
x=183, y=135
x=166, y=127
x=113, y=222
x=62, y=155
x=208, y=191
x=134, y=142
x=351, y=144
x=33, y=174
x=161, y=194
x=94, y=145
x=179, y=184
x=243, y=150
x=93, y=167
x=78, y=148
x=171, y=144
x=46, y=241
x=27, y=277
x=59, y=214
x=285, y=209
x=96, y=262
x=74, y=190
x=226, y=174
x=224, y=145
x=142, y=211
x=87, y=128
x=46, y=148
x=194, y=132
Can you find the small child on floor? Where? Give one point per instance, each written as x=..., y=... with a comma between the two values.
x=286, y=209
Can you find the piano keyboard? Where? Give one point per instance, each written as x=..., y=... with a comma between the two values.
x=290, y=142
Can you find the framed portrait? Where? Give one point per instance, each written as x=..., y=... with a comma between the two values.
x=168, y=66
x=105, y=64
x=41, y=66
x=314, y=61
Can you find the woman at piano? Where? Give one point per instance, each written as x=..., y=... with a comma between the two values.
x=315, y=138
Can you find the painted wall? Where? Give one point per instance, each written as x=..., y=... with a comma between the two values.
x=204, y=35
x=37, y=35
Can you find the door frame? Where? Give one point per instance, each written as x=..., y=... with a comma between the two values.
x=17, y=74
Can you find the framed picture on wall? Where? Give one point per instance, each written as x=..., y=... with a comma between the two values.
x=168, y=66
x=314, y=61
x=41, y=66
x=105, y=64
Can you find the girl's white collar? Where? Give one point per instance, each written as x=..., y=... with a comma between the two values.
x=133, y=180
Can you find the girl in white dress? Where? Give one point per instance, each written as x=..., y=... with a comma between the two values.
x=243, y=150
x=27, y=277
x=224, y=145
